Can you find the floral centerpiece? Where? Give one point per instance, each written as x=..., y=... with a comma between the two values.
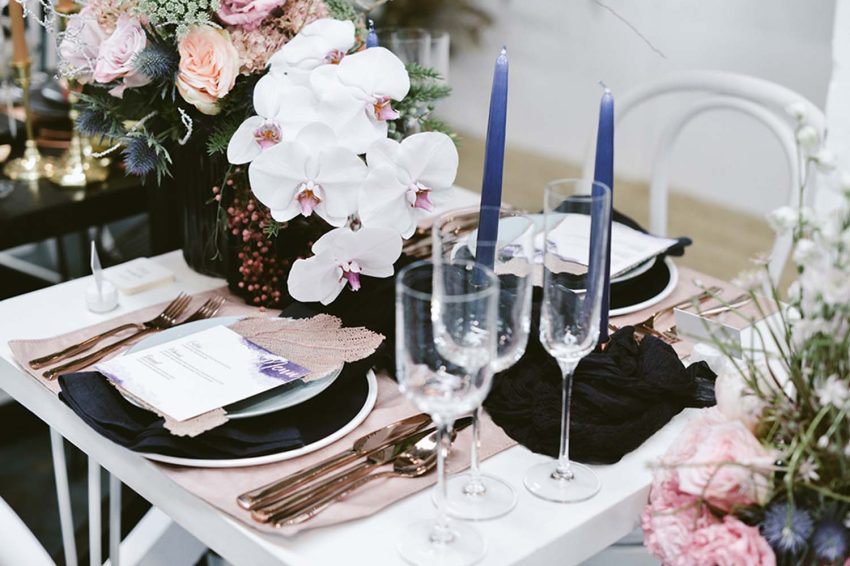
x=764, y=477
x=273, y=122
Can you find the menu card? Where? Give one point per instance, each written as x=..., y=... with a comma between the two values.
x=200, y=372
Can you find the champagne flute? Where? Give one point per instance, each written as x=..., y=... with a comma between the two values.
x=445, y=340
x=577, y=216
x=473, y=495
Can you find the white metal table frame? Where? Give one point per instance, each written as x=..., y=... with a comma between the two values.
x=536, y=532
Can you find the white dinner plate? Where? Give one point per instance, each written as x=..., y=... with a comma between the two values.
x=668, y=289
x=270, y=401
x=368, y=405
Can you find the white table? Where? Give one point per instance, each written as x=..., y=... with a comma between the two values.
x=536, y=532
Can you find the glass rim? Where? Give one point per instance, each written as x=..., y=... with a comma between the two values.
x=552, y=187
x=406, y=289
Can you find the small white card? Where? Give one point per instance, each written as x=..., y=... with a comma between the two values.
x=200, y=372
x=629, y=247
x=138, y=275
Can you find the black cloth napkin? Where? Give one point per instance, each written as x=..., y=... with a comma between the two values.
x=105, y=410
x=620, y=397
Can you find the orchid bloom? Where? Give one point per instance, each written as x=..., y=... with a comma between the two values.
x=321, y=42
x=357, y=95
x=340, y=257
x=311, y=173
x=403, y=179
x=274, y=102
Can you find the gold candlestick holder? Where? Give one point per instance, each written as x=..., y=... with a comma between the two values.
x=77, y=167
x=32, y=166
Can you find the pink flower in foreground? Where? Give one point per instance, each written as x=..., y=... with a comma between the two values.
x=116, y=54
x=208, y=67
x=246, y=13
x=671, y=519
x=730, y=543
x=728, y=467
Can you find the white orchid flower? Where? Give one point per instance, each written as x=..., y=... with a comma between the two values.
x=341, y=257
x=357, y=95
x=311, y=173
x=282, y=110
x=321, y=42
x=403, y=179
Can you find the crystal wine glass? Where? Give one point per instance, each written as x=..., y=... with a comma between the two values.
x=445, y=341
x=577, y=215
x=473, y=495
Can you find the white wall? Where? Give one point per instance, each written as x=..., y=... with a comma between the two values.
x=560, y=49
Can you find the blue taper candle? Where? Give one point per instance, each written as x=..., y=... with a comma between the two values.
x=372, y=37
x=604, y=174
x=494, y=160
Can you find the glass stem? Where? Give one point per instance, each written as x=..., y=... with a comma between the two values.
x=442, y=533
x=475, y=486
x=562, y=469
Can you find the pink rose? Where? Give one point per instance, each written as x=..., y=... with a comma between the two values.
x=671, y=518
x=692, y=435
x=728, y=466
x=730, y=543
x=115, y=58
x=246, y=13
x=81, y=44
x=208, y=67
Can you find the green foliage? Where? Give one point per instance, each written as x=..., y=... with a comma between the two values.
x=341, y=10
x=272, y=228
x=177, y=15
x=415, y=111
x=235, y=107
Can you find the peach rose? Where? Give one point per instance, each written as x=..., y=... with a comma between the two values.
x=208, y=67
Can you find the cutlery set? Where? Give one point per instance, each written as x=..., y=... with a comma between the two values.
x=409, y=446
x=670, y=335
x=168, y=318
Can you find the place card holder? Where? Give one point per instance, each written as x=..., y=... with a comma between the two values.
x=726, y=328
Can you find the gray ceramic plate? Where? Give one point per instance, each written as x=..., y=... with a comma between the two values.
x=270, y=401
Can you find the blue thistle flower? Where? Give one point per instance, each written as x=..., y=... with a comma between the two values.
x=787, y=533
x=140, y=157
x=831, y=541
x=93, y=123
x=156, y=61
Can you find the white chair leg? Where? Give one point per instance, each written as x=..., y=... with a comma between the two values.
x=63, y=496
x=94, y=513
x=114, y=520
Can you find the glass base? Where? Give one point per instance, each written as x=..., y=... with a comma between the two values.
x=542, y=482
x=464, y=546
x=496, y=500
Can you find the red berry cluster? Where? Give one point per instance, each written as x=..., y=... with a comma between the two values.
x=261, y=272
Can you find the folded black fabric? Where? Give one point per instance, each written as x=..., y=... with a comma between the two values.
x=105, y=410
x=621, y=397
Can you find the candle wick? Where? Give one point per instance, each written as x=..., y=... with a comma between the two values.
x=604, y=86
x=371, y=24
x=504, y=51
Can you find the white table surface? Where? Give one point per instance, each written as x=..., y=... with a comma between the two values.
x=536, y=532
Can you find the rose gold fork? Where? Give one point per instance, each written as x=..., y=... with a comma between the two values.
x=173, y=309
x=207, y=310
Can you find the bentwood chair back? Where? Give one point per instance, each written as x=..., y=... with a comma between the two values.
x=17, y=543
x=762, y=100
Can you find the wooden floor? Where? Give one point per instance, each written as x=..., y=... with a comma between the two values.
x=724, y=240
